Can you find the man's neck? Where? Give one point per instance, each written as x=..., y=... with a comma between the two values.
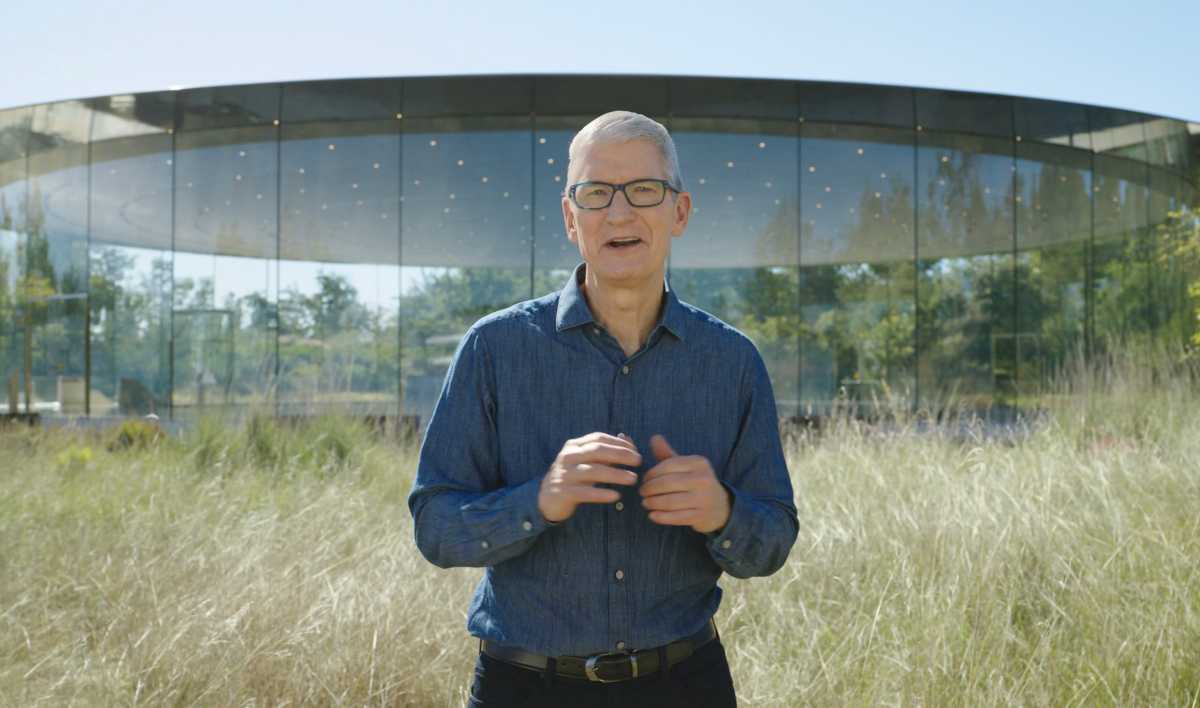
x=627, y=312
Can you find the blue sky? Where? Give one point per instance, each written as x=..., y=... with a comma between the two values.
x=1140, y=56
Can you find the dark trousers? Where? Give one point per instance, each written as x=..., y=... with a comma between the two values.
x=700, y=681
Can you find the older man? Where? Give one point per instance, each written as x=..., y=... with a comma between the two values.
x=606, y=452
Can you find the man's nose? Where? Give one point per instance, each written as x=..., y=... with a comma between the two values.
x=619, y=209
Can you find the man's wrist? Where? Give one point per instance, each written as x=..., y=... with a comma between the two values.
x=728, y=512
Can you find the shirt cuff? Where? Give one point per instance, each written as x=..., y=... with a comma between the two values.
x=520, y=520
x=724, y=545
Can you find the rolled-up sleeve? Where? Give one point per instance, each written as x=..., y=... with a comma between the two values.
x=463, y=515
x=762, y=525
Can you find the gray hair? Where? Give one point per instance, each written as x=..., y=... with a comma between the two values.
x=621, y=127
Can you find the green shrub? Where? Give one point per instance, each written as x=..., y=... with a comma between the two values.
x=136, y=434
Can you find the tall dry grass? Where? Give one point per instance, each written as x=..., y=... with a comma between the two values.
x=274, y=566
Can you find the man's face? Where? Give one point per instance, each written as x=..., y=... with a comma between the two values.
x=621, y=243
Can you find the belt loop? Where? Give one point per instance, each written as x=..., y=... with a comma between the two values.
x=551, y=669
x=664, y=665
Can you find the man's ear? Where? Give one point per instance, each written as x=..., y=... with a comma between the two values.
x=569, y=221
x=683, y=212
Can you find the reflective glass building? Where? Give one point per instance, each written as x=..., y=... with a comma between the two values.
x=321, y=246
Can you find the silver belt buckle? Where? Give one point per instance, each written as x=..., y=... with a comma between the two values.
x=589, y=667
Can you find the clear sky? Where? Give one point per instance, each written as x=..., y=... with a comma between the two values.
x=1139, y=55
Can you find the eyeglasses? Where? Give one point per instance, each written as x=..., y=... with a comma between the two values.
x=639, y=193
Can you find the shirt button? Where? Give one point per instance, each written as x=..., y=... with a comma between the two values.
x=620, y=506
x=620, y=646
x=527, y=525
x=620, y=574
x=726, y=543
x=595, y=330
x=625, y=370
x=484, y=544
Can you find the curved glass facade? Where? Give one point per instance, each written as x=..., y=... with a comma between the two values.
x=321, y=246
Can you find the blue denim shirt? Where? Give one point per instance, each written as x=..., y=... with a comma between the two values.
x=525, y=380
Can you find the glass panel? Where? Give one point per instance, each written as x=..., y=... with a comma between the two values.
x=749, y=98
x=467, y=95
x=14, y=141
x=965, y=308
x=55, y=325
x=1118, y=132
x=1193, y=152
x=593, y=95
x=857, y=103
x=1121, y=263
x=465, y=238
x=975, y=113
x=130, y=259
x=1054, y=223
x=225, y=269
x=1166, y=143
x=58, y=184
x=738, y=259
x=336, y=101
x=130, y=278
x=1186, y=238
x=56, y=256
x=857, y=296
x=554, y=257
x=229, y=106
x=1173, y=231
x=340, y=269
x=1052, y=122
x=129, y=115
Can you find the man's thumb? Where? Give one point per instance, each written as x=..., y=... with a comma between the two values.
x=661, y=448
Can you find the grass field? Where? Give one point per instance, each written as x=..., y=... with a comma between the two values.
x=275, y=566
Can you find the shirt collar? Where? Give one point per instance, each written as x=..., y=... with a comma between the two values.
x=573, y=310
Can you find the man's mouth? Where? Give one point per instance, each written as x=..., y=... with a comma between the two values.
x=623, y=242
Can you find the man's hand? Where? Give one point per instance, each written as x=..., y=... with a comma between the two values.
x=581, y=463
x=683, y=490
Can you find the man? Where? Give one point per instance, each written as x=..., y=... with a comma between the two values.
x=606, y=452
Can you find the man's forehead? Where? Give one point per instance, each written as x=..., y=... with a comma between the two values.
x=608, y=155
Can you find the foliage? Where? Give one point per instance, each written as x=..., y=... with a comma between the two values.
x=136, y=434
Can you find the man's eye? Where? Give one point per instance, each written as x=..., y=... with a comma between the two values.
x=595, y=191
x=645, y=188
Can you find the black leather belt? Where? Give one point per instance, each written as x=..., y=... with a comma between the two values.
x=609, y=667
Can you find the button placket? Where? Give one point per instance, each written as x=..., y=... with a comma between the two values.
x=619, y=551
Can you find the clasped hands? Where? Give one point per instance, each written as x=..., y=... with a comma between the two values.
x=681, y=490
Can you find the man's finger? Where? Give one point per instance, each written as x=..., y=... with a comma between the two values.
x=590, y=495
x=675, y=501
x=661, y=448
x=621, y=440
x=604, y=453
x=599, y=474
x=674, y=465
x=675, y=518
x=681, y=481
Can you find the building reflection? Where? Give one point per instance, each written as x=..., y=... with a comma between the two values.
x=322, y=246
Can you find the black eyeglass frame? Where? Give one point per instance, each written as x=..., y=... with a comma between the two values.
x=621, y=188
